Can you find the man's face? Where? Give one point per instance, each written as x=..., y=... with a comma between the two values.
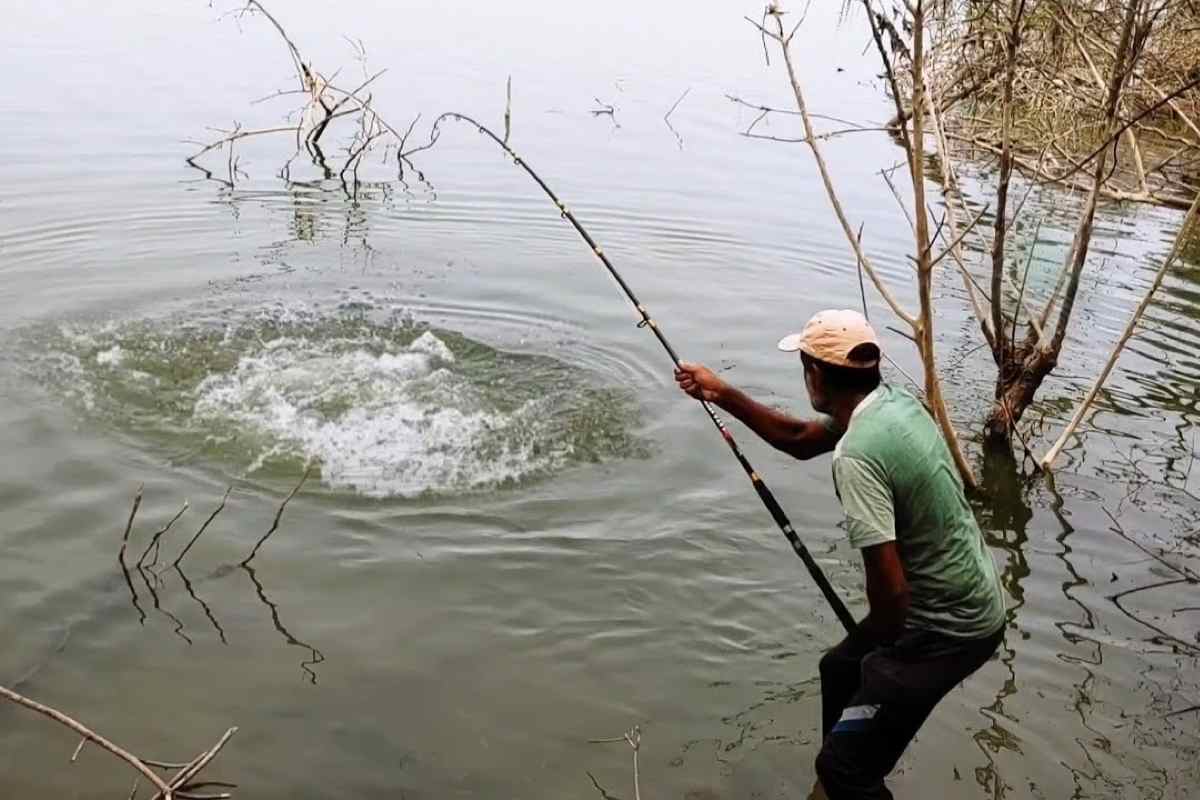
x=816, y=390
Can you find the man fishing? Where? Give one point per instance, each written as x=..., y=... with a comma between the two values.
x=936, y=611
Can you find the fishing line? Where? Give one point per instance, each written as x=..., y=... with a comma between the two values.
x=764, y=493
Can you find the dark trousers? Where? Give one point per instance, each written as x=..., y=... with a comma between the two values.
x=875, y=697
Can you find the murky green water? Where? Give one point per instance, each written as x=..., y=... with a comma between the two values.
x=520, y=536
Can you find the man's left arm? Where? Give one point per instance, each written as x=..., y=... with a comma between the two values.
x=866, y=496
x=887, y=592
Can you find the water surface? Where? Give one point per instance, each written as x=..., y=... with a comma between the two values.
x=519, y=536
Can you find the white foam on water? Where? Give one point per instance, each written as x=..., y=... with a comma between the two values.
x=431, y=345
x=383, y=424
x=111, y=357
x=266, y=387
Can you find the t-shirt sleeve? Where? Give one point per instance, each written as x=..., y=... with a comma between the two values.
x=867, y=501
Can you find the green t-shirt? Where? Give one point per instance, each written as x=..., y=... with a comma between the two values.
x=896, y=481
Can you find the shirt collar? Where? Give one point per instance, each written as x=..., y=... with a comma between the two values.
x=875, y=394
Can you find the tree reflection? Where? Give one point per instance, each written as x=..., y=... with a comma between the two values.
x=315, y=655
x=1003, y=512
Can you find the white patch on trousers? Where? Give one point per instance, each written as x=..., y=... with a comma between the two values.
x=859, y=712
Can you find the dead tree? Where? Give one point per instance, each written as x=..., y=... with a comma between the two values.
x=324, y=103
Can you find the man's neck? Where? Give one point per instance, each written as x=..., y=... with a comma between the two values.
x=844, y=408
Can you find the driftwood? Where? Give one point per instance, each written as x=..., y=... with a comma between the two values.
x=182, y=785
x=632, y=737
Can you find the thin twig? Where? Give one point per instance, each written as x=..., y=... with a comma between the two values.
x=802, y=108
x=88, y=734
x=137, y=501
x=1181, y=236
x=1187, y=710
x=1025, y=279
x=203, y=527
x=633, y=738
x=670, y=111
x=958, y=239
x=278, y=514
x=182, y=779
x=154, y=540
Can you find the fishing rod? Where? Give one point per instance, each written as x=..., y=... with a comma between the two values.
x=764, y=493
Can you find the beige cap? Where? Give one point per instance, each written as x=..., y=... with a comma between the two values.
x=831, y=336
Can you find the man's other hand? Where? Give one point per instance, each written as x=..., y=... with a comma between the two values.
x=700, y=382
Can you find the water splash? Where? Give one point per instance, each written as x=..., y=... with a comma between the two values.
x=386, y=406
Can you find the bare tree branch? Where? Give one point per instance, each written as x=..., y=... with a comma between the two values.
x=1185, y=230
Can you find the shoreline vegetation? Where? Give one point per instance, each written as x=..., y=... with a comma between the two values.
x=1037, y=75
x=1006, y=58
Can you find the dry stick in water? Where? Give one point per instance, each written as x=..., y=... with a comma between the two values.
x=633, y=738
x=1185, y=228
x=180, y=781
x=88, y=734
x=278, y=515
x=203, y=527
x=137, y=502
x=155, y=540
x=667, y=116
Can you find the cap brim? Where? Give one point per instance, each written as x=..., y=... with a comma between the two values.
x=790, y=344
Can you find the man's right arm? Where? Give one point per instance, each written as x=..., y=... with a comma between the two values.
x=798, y=438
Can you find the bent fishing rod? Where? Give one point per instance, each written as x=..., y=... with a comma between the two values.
x=764, y=493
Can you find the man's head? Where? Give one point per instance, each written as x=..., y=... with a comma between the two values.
x=841, y=356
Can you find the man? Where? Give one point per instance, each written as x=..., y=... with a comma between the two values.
x=936, y=608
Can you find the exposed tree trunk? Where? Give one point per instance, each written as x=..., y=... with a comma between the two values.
x=921, y=323
x=1022, y=368
x=924, y=257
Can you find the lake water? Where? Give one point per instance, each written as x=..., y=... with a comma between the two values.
x=521, y=536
